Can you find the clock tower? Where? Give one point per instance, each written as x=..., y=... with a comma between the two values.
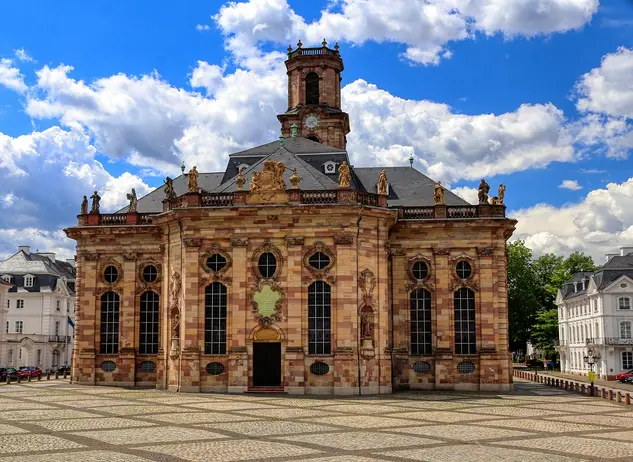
x=314, y=96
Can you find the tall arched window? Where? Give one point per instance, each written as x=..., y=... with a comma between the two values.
x=215, y=319
x=420, y=322
x=109, y=323
x=625, y=329
x=465, y=339
x=148, y=342
x=312, y=88
x=319, y=318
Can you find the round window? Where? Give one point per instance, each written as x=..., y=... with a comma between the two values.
x=108, y=366
x=147, y=366
x=422, y=367
x=420, y=270
x=267, y=265
x=216, y=262
x=319, y=368
x=319, y=261
x=464, y=270
x=150, y=273
x=466, y=367
x=111, y=274
x=215, y=368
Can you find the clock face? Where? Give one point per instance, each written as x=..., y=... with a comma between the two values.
x=312, y=121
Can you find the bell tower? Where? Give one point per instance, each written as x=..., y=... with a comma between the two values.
x=314, y=96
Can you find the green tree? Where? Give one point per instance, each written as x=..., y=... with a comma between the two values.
x=523, y=304
x=545, y=331
x=576, y=262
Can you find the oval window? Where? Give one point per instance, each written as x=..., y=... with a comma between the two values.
x=216, y=262
x=420, y=270
x=147, y=366
x=464, y=270
x=108, y=366
x=267, y=265
x=466, y=367
x=215, y=368
x=111, y=274
x=422, y=367
x=319, y=368
x=319, y=261
x=150, y=273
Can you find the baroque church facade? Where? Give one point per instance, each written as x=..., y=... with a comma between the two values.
x=294, y=271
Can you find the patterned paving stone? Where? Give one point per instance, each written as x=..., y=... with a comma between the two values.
x=439, y=416
x=367, y=409
x=343, y=459
x=65, y=425
x=541, y=425
x=601, y=419
x=572, y=408
x=512, y=411
x=104, y=403
x=38, y=414
x=11, y=444
x=461, y=432
x=10, y=429
x=436, y=405
x=229, y=406
x=581, y=445
x=85, y=456
x=357, y=421
x=472, y=453
x=284, y=413
x=156, y=435
x=623, y=436
x=359, y=440
x=228, y=451
x=23, y=405
x=143, y=409
x=267, y=428
x=197, y=417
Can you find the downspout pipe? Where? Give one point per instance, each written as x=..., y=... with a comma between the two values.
x=360, y=218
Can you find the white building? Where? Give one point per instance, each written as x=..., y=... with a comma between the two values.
x=38, y=310
x=595, y=310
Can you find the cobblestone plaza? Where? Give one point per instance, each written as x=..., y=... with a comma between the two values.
x=51, y=421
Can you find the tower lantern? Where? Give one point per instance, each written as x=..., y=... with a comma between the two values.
x=314, y=95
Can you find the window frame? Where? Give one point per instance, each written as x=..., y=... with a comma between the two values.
x=312, y=82
x=109, y=328
x=215, y=318
x=465, y=306
x=319, y=325
x=149, y=323
x=19, y=303
x=267, y=265
x=29, y=281
x=629, y=360
x=624, y=327
x=420, y=327
x=628, y=303
x=20, y=329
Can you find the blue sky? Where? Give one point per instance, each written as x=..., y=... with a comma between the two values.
x=532, y=94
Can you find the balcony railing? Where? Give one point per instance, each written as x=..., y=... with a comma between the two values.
x=610, y=341
x=313, y=52
x=297, y=196
x=59, y=338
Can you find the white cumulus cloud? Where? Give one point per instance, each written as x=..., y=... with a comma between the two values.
x=11, y=77
x=570, y=184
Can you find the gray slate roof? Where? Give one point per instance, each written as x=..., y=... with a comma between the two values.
x=46, y=273
x=294, y=144
x=615, y=268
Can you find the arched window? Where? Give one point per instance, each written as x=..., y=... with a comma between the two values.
x=148, y=342
x=319, y=318
x=465, y=340
x=215, y=319
x=312, y=88
x=420, y=322
x=625, y=329
x=109, y=323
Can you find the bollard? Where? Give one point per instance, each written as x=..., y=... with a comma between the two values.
x=618, y=397
x=627, y=399
x=19, y=378
x=56, y=375
x=603, y=393
x=8, y=378
x=39, y=377
x=65, y=373
x=48, y=375
x=610, y=394
x=28, y=378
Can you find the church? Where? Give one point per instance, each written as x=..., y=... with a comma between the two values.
x=293, y=271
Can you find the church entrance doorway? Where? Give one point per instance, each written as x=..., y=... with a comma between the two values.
x=266, y=364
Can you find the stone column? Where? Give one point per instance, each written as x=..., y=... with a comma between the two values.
x=86, y=328
x=240, y=306
x=294, y=371
x=383, y=309
x=127, y=325
x=190, y=336
x=401, y=328
x=442, y=325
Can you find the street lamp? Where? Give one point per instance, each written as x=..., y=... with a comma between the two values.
x=591, y=358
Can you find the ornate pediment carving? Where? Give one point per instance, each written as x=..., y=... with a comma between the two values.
x=468, y=283
x=239, y=242
x=441, y=251
x=268, y=185
x=485, y=251
x=421, y=285
x=344, y=239
x=367, y=284
x=293, y=241
x=91, y=256
x=192, y=243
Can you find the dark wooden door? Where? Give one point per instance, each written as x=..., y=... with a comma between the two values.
x=266, y=364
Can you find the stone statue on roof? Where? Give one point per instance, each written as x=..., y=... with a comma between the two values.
x=95, y=202
x=133, y=201
x=501, y=194
x=295, y=179
x=192, y=180
x=343, y=175
x=239, y=181
x=482, y=192
x=169, y=188
x=382, y=182
x=84, y=206
x=438, y=193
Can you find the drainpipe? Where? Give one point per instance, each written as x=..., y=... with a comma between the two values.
x=360, y=217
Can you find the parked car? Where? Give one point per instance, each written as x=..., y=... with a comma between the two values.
x=34, y=372
x=628, y=380
x=10, y=371
x=624, y=375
